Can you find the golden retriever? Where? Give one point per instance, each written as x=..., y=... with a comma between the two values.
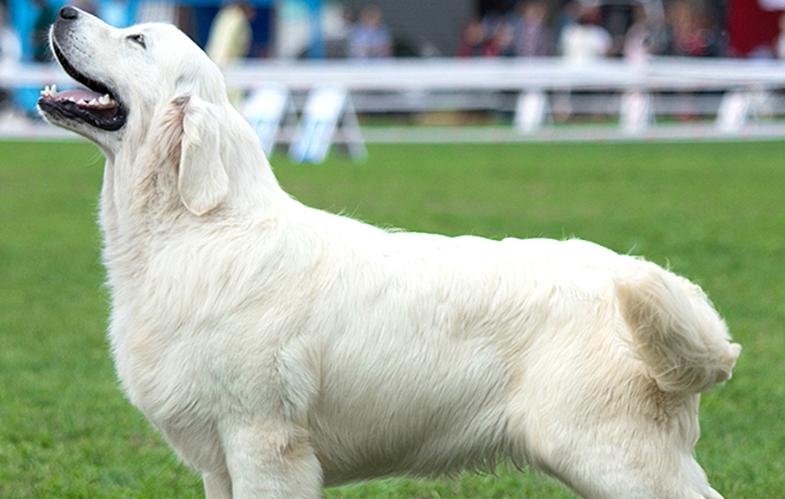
x=281, y=349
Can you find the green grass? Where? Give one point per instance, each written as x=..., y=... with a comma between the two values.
x=713, y=212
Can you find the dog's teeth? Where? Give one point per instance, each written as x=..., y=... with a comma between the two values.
x=94, y=102
x=105, y=99
x=49, y=92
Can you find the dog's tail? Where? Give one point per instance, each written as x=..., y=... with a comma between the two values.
x=675, y=330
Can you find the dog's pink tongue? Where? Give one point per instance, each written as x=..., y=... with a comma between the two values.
x=78, y=95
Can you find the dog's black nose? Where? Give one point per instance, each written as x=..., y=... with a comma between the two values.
x=69, y=13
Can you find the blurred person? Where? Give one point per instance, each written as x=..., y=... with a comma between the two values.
x=566, y=16
x=231, y=34
x=585, y=39
x=499, y=39
x=472, y=42
x=230, y=38
x=687, y=33
x=491, y=37
x=492, y=43
x=504, y=40
x=533, y=37
x=490, y=22
x=643, y=38
x=40, y=34
x=369, y=37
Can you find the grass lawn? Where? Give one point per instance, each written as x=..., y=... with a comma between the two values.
x=714, y=212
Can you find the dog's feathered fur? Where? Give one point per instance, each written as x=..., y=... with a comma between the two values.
x=280, y=348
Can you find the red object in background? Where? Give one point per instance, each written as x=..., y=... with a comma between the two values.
x=750, y=27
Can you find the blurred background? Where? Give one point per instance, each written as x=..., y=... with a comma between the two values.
x=458, y=70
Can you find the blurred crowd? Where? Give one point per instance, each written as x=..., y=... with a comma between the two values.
x=531, y=28
x=585, y=30
x=588, y=29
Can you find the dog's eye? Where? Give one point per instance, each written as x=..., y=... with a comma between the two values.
x=139, y=39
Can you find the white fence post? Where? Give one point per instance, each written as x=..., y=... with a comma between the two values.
x=735, y=111
x=636, y=113
x=531, y=111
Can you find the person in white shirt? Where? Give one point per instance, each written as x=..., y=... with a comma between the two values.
x=586, y=39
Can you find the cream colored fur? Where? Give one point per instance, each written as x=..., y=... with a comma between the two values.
x=281, y=349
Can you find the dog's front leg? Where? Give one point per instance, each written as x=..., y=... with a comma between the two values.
x=271, y=460
x=217, y=485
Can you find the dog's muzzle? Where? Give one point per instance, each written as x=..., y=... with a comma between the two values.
x=97, y=105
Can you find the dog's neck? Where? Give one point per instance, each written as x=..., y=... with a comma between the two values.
x=140, y=206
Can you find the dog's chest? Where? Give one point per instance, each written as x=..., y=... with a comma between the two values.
x=156, y=370
x=162, y=379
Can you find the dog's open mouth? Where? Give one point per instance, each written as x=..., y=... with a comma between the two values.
x=96, y=106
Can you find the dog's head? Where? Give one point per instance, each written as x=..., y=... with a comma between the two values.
x=144, y=84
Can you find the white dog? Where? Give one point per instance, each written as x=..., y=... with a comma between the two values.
x=280, y=349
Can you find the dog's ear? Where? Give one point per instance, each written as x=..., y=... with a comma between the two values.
x=202, y=180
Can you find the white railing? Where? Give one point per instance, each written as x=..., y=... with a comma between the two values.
x=741, y=89
x=661, y=74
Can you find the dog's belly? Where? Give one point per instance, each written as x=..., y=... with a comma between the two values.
x=411, y=409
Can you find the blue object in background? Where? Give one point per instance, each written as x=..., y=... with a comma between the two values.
x=24, y=13
x=261, y=26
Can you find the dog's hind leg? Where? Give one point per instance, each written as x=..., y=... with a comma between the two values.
x=623, y=457
x=271, y=461
x=217, y=485
x=609, y=475
x=613, y=435
x=617, y=481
